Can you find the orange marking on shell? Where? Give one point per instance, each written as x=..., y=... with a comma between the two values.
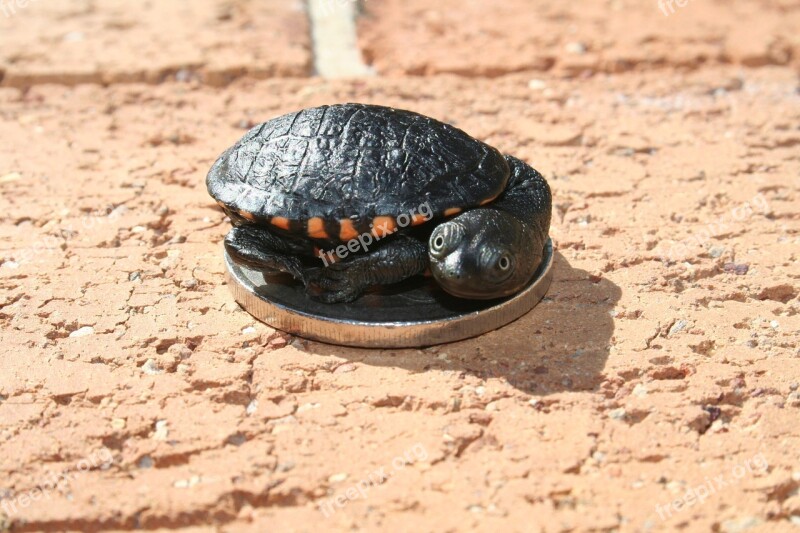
x=418, y=219
x=488, y=200
x=452, y=211
x=347, y=231
x=280, y=222
x=383, y=226
x=249, y=216
x=316, y=228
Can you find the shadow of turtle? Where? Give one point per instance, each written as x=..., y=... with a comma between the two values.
x=562, y=344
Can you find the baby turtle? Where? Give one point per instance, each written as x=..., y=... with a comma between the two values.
x=345, y=197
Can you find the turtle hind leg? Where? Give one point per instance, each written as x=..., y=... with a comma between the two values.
x=258, y=248
x=393, y=261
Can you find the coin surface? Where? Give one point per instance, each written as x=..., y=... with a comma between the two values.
x=410, y=314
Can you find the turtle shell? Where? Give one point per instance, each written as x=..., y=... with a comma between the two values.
x=332, y=171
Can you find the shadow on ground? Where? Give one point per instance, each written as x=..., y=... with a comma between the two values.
x=562, y=344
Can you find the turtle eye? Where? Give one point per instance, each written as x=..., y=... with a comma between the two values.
x=444, y=239
x=504, y=263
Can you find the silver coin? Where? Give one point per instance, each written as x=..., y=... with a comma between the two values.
x=414, y=313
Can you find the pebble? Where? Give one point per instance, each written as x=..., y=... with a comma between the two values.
x=738, y=269
x=337, y=478
x=162, y=431
x=716, y=252
x=11, y=177
x=252, y=407
x=640, y=390
x=793, y=399
x=678, y=326
x=83, y=332
x=576, y=48
x=617, y=414
x=118, y=423
x=742, y=524
x=186, y=483
x=237, y=439
x=151, y=368
x=146, y=462
x=189, y=283
x=536, y=85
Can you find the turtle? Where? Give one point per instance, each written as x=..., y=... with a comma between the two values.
x=345, y=197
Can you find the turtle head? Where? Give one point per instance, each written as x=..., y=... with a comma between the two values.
x=484, y=254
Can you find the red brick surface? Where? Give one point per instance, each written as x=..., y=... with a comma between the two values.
x=664, y=356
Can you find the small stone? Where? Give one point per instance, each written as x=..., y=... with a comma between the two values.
x=83, y=332
x=537, y=85
x=189, y=283
x=576, y=48
x=308, y=407
x=151, y=368
x=337, y=478
x=162, y=430
x=678, y=326
x=716, y=252
x=741, y=524
x=345, y=368
x=11, y=177
x=133, y=276
x=237, y=439
x=252, y=407
x=146, y=462
x=640, y=390
x=480, y=390
x=10, y=265
x=617, y=414
x=774, y=324
x=285, y=466
x=793, y=399
x=738, y=269
x=248, y=330
x=74, y=37
x=118, y=423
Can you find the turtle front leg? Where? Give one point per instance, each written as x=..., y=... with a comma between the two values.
x=394, y=261
x=258, y=248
